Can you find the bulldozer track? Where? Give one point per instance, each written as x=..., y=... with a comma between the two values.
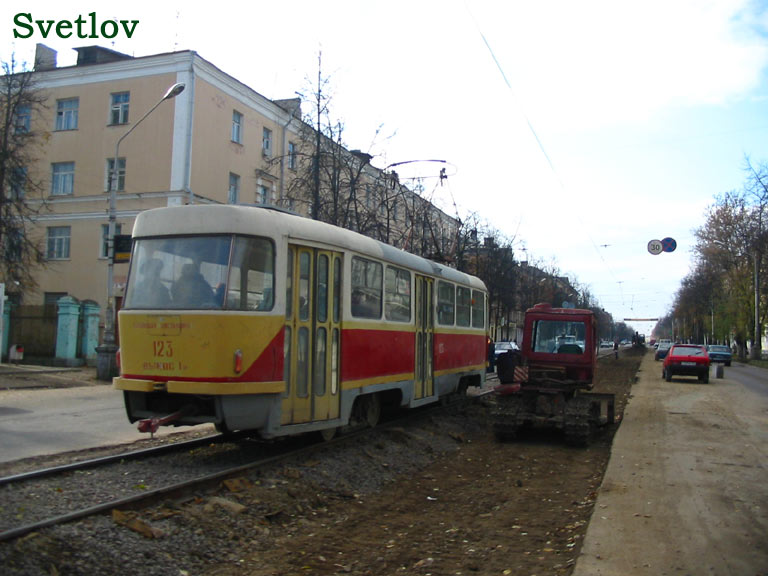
x=578, y=423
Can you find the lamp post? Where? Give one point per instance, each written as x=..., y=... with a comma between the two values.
x=106, y=366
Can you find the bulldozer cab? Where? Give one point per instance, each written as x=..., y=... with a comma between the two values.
x=561, y=337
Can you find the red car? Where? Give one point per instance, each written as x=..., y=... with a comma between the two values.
x=687, y=360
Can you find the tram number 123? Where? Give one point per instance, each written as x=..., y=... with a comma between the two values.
x=162, y=349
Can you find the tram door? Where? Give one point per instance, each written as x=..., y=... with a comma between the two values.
x=312, y=335
x=423, y=384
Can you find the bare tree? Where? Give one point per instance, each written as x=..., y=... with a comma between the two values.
x=334, y=184
x=341, y=186
x=20, y=102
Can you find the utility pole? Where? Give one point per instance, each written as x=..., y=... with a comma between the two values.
x=756, y=351
x=106, y=364
x=318, y=140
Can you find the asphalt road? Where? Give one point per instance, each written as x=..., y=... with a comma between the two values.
x=685, y=492
x=68, y=415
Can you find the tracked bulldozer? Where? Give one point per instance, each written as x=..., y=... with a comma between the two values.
x=547, y=382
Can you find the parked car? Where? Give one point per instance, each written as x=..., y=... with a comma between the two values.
x=661, y=351
x=686, y=360
x=504, y=347
x=718, y=353
x=606, y=344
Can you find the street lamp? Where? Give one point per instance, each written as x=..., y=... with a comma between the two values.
x=106, y=366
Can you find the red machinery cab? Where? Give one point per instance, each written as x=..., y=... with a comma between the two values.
x=561, y=338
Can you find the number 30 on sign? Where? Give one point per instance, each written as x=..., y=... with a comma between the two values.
x=655, y=247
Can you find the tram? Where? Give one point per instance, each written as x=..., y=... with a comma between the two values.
x=252, y=318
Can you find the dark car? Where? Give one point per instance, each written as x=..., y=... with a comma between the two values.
x=718, y=353
x=687, y=360
x=661, y=351
x=504, y=347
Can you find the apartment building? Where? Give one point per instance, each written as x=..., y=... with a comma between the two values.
x=217, y=141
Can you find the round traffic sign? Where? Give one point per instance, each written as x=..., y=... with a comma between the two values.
x=668, y=244
x=655, y=247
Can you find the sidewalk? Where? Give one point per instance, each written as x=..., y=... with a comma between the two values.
x=684, y=492
x=25, y=376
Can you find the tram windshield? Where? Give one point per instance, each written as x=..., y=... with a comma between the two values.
x=201, y=272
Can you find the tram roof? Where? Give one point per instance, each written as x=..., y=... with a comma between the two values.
x=256, y=220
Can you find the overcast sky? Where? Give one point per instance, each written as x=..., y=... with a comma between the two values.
x=582, y=129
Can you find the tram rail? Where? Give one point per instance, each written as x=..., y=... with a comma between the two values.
x=82, y=481
x=118, y=457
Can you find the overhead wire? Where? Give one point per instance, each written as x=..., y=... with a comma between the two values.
x=535, y=135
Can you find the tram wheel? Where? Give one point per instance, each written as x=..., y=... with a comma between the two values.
x=327, y=434
x=222, y=428
x=371, y=409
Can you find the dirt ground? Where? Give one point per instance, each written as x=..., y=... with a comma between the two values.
x=517, y=508
x=440, y=497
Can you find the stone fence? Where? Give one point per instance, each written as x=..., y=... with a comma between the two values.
x=64, y=335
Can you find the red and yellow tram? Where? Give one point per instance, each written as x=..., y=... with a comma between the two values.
x=254, y=319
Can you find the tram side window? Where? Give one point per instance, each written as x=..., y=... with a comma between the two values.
x=446, y=303
x=366, y=288
x=478, y=309
x=397, y=295
x=251, y=277
x=463, y=306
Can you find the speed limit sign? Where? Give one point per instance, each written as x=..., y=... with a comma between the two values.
x=655, y=247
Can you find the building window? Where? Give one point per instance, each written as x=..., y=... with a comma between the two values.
x=266, y=142
x=234, y=189
x=109, y=182
x=63, y=179
x=118, y=112
x=18, y=182
x=291, y=156
x=23, y=119
x=66, y=114
x=262, y=194
x=58, y=242
x=237, y=127
x=14, y=243
x=105, y=238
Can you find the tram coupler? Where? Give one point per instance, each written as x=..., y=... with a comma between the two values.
x=152, y=424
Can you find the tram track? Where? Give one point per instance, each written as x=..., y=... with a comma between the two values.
x=67, y=493
x=111, y=458
x=144, y=498
x=60, y=494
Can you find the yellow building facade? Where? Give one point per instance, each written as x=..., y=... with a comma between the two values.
x=218, y=141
